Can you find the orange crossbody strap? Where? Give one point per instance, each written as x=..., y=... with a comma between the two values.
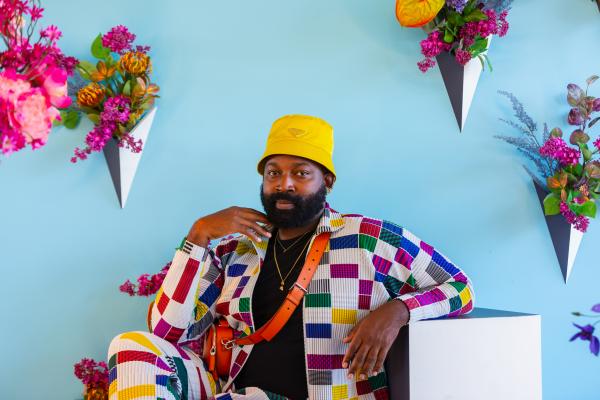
x=294, y=297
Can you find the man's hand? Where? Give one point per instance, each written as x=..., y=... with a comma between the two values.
x=371, y=339
x=226, y=222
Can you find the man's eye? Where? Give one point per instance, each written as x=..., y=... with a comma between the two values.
x=304, y=173
x=271, y=173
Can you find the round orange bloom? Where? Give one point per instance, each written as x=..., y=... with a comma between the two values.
x=135, y=62
x=416, y=13
x=91, y=95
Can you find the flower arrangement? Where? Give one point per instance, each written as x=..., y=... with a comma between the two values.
x=575, y=185
x=460, y=27
x=118, y=92
x=572, y=173
x=586, y=332
x=33, y=76
x=146, y=284
x=94, y=375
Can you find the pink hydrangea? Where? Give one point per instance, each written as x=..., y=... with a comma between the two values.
x=35, y=115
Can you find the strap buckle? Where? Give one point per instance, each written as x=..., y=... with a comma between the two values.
x=228, y=344
x=299, y=287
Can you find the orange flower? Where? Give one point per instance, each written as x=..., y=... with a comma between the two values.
x=91, y=95
x=135, y=62
x=416, y=13
x=102, y=72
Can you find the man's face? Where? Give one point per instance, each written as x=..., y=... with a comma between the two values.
x=293, y=190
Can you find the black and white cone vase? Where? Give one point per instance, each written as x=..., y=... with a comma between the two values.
x=461, y=82
x=565, y=238
x=122, y=162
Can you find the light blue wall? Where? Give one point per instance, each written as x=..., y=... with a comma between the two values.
x=227, y=70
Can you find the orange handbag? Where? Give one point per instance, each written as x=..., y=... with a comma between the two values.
x=219, y=340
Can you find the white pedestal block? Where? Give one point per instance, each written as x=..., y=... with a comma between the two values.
x=488, y=354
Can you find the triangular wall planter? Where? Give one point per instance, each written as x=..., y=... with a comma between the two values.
x=461, y=82
x=122, y=162
x=565, y=238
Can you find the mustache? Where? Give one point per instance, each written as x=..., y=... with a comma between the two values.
x=292, y=198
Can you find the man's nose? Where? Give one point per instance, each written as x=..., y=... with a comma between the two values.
x=286, y=183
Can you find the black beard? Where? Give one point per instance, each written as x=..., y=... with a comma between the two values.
x=305, y=210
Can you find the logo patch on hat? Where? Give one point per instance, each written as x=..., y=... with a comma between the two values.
x=296, y=132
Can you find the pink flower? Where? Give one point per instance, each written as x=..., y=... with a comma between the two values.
x=55, y=84
x=567, y=213
x=52, y=33
x=597, y=143
x=426, y=64
x=36, y=13
x=433, y=45
x=128, y=287
x=556, y=148
x=118, y=39
x=582, y=223
x=462, y=56
x=34, y=115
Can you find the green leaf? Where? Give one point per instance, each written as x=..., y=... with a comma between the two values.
x=588, y=209
x=475, y=15
x=448, y=36
x=98, y=50
x=127, y=88
x=95, y=118
x=587, y=154
x=593, y=170
x=70, y=118
x=551, y=204
x=84, y=74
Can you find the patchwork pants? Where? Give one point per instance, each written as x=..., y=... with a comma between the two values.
x=145, y=366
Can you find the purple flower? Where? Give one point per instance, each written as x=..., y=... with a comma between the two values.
x=556, y=148
x=96, y=139
x=458, y=5
x=575, y=117
x=586, y=333
x=596, y=308
x=433, y=45
x=426, y=64
x=596, y=104
x=118, y=39
x=581, y=223
x=597, y=143
x=462, y=56
x=116, y=110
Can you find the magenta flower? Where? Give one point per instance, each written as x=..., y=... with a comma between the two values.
x=581, y=223
x=462, y=56
x=118, y=39
x=116, y=109
x=586, y=333
x=147, y=284
x=433, y=45
x=92, y=374
x=556, y=148
x=36, y=13
x=597, y=143
x=52, y=33
x=426, y=64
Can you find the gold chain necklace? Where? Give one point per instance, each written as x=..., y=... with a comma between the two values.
x=281, y=277
x=278, y=240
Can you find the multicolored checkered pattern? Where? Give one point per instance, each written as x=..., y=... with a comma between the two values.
x=367, y=263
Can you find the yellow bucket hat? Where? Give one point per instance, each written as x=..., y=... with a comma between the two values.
x=302, y=136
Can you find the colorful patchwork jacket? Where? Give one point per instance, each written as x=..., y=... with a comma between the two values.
x=367, y=263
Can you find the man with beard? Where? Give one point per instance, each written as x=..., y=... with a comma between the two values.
x=373, y=278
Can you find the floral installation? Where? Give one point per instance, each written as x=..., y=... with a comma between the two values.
x=460, y=27
x=94, y=376
x=118, y=92
x=586, y=332
x=571, y=170
x=147, y=284
x=33, y=76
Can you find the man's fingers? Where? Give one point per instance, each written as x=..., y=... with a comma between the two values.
x=369, y=363
x=256, y=215
x=354, y=345
x=356, y=367
x=380, y=360
x=255, y=227
x=251, y=233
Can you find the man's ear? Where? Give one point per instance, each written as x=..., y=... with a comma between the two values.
x=329, y=180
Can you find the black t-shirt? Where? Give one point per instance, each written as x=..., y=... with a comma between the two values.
x=278, y=366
